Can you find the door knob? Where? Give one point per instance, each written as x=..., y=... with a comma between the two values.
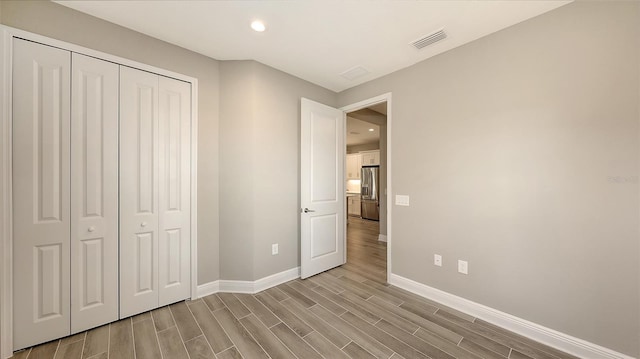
x=307, y=210
x=143, y=224
x=91, y=229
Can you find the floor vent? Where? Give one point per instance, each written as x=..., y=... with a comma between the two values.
x=425, y=41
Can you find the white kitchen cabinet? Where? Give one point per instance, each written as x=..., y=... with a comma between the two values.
x=370, y=158
x=353, y=166
x=353, y=206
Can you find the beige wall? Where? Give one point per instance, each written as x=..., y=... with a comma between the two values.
x=260, y=168
x=59, y=22
x=520, y=154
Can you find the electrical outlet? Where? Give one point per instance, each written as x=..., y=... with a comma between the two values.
x=437, y=260
x=274, y=249
x=463, y=267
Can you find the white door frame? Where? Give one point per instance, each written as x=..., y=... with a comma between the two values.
x=358, y=106
x=6, y=222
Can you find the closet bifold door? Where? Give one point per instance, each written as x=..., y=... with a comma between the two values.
x=138, y=189
x=94, y=192
x=41, y=217
x=174, y=194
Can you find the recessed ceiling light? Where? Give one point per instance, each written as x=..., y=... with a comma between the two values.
x=258, y=26
x=371, y=130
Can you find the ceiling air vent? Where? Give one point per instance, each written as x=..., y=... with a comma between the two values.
x=432, y=38
x=354, y=72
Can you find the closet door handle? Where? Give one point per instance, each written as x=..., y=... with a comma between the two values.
x=143, y=224
x=91, y=229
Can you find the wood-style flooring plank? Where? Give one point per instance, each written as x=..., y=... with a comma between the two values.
x=267, y=340
x=243, y=341
x=420, y=320
x=295, y=323
x=417, y=343
x=184, y=321
x=22, y=354
x=296, y=295
x=330, y=305
x=121, y=340
x=323, y=346
x=361, y=338
x=355, y=351
x=235, y=306
x=198, y=348
x=479, y=350
x=257, y=308
x=162, y=318
x=319, y=325
x=213, y=302
x=348, y=305
x=384, y=338
x=96, y=342
x=212, y=330
x=462, y=332
x=73, y=338
x=276, y=293
x=231, y=353
x=171, y=345
x=396, y=320
x=70, y=351
x=296, y=344
x=146, y=342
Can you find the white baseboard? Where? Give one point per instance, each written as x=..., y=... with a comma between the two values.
x=382, y=237
x=250, y=287
x=564, y=342
x=206, y=289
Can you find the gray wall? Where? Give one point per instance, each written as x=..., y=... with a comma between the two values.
x=59, y=22
x=520, y=154
x=260, y=168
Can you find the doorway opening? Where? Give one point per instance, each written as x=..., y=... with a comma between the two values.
x=366, y=191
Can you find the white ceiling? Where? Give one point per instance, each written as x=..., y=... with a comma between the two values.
x=358, y=132
x=317, y=40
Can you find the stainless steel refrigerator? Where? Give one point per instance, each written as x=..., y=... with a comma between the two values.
x=370, y=192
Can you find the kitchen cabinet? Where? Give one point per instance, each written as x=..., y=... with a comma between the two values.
x=353, y=205
x=370, y=158
x=353, y=166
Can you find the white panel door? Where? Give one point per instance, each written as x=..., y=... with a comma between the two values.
x=138, y=191
x=322, y=188
x=174, y=195
x=94, y=193
x=41, y=77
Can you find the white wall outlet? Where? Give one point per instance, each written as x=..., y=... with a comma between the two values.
x=463, y=267
x=437, y=260
x=274, y=249
x=402, y=200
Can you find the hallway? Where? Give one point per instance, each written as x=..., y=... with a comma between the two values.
x=365, y=254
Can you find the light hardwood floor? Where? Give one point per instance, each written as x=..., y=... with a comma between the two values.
x=347, y=312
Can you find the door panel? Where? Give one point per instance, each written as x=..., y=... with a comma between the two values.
x=41, y=222
x=138, y=186
x=94, y=193
x=322, y=188
x=174, y=195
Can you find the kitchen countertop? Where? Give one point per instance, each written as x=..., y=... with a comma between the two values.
x=353, y=194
